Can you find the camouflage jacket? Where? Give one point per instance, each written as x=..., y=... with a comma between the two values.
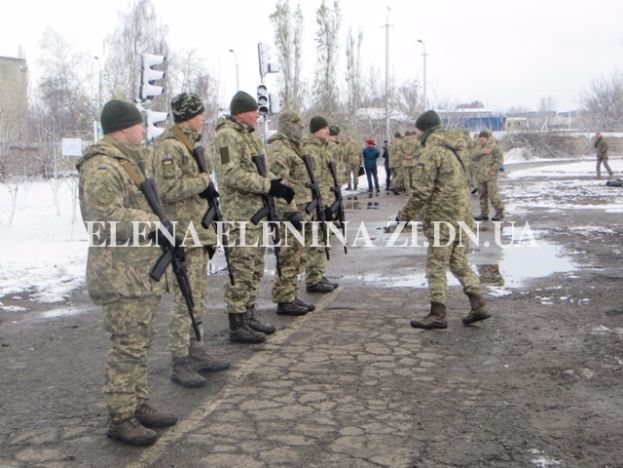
x=241, y=188
x=441, y=191
x=352, y=153
x=108, y=194
x=409, y=151
x=320, y=155
x=285, y=160
x=487, y=162
x=180, y=182
x=602, y=148
x=462, y=144
x=393, y=151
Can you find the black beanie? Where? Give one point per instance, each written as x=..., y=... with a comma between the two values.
x=334, y=130
x=118, y=115
x=316, y=123
x=427, y=120
x=242, y=102
x=484, y=133
x=186, y=106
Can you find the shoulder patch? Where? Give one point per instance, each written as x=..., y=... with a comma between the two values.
x=224, y=152
x=168, y=168
x=101, y=169
x=104, y=196
x=420, y=165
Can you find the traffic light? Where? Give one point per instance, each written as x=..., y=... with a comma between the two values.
x=263, y=100
x=149, y=76
x=151, y=119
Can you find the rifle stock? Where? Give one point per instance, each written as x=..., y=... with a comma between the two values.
x=316, y=203
x=269, y=211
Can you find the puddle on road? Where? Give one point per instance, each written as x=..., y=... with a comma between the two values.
x=519, y=263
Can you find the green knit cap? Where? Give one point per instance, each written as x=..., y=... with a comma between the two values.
x=242, y=102
x=316, y=123
x=334, y=130
x=118, y=115
x=427, y=120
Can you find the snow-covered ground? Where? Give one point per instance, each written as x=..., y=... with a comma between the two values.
x=43, y=242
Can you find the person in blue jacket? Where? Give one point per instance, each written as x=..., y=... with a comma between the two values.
x=370, y=155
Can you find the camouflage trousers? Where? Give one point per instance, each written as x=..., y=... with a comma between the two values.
x=247, y=265
x=130, y=323
x=292, y=259
x=351, y=176
x=181, y=333
x=408, y=177
x=603, y=161
x=315, y=264
x=453, y=257
x=397, y=178
x=489, y=191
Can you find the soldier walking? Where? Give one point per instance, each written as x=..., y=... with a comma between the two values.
x=243, y=191
x=118, y=278
x=601, y=146
x=184, y=191
x=439, y=195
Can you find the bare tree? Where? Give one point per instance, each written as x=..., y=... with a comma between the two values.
x=139, y=32
x=327, y=46
x=288, y=26
x=602, y=104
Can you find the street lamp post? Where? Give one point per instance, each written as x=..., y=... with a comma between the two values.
x=424, y=71
x=237, y=75
x=99, y=63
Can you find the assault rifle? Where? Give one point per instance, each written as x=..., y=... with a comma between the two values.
x=170, y=254
x=338, y=205
x=214, y=210
x=316, y=203
x=268, y=211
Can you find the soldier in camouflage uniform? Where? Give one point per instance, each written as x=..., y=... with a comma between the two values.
x=337, y=151
x=409, y=152
x=317, y=146
x=440, y=194
x=118, y=278
x=353, y=160
x=397, y=183
x=242, y=192
x=601, y=147
x=488, y=158
x=184, y=189
x=285, y=159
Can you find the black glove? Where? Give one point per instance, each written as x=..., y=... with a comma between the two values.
x=296, y=220
x=279, y=190
x=328, y=214
x=210, y=192
x=397, y=219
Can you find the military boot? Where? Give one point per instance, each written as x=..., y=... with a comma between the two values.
x=184, y=374
x=255, y=324
x=333, y=284
x=436, y=318
x=479, y=309
x=240, y=332
x=150, y=417
x=348, y=187
x=290, y=308
x=201, y=361
x=319, y=287
x=355, y=187
x=499, y=215
x=308, y=305
x=482, y=217
x=130, y=431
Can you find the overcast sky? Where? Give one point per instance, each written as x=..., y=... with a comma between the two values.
x=500, y=52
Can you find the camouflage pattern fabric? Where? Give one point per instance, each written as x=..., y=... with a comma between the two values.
x=353, y=160
x=440, y=194
x=286, y=287
x=395, y=164
x=130, y=323
x=336, y=152
x=241, y=189
x=118, y=277
x=488, y=158
x=409, y=150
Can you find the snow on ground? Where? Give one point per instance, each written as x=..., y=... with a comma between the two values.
x=43, y=242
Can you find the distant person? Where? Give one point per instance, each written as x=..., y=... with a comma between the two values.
x=243, y=190
x=370, y=155
x=184, y=190
x=601, y=145
x=118, y=278
x=386, y=166
x=440, y=197
x=488, y=158
x=409, y=151
x=353, y=161
x=397, y=183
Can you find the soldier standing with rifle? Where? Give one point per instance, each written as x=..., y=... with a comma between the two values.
x=119, y=278
x=285, y=159
x=243, y=194
x=317, y=146
x=184, y=190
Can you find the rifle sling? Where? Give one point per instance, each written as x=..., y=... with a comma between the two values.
x=178, y=132
x=138, y=179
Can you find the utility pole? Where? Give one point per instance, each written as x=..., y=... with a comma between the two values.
x=387, y=25
x=424, y=71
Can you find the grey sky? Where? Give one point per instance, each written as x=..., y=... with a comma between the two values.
x=503, y=53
